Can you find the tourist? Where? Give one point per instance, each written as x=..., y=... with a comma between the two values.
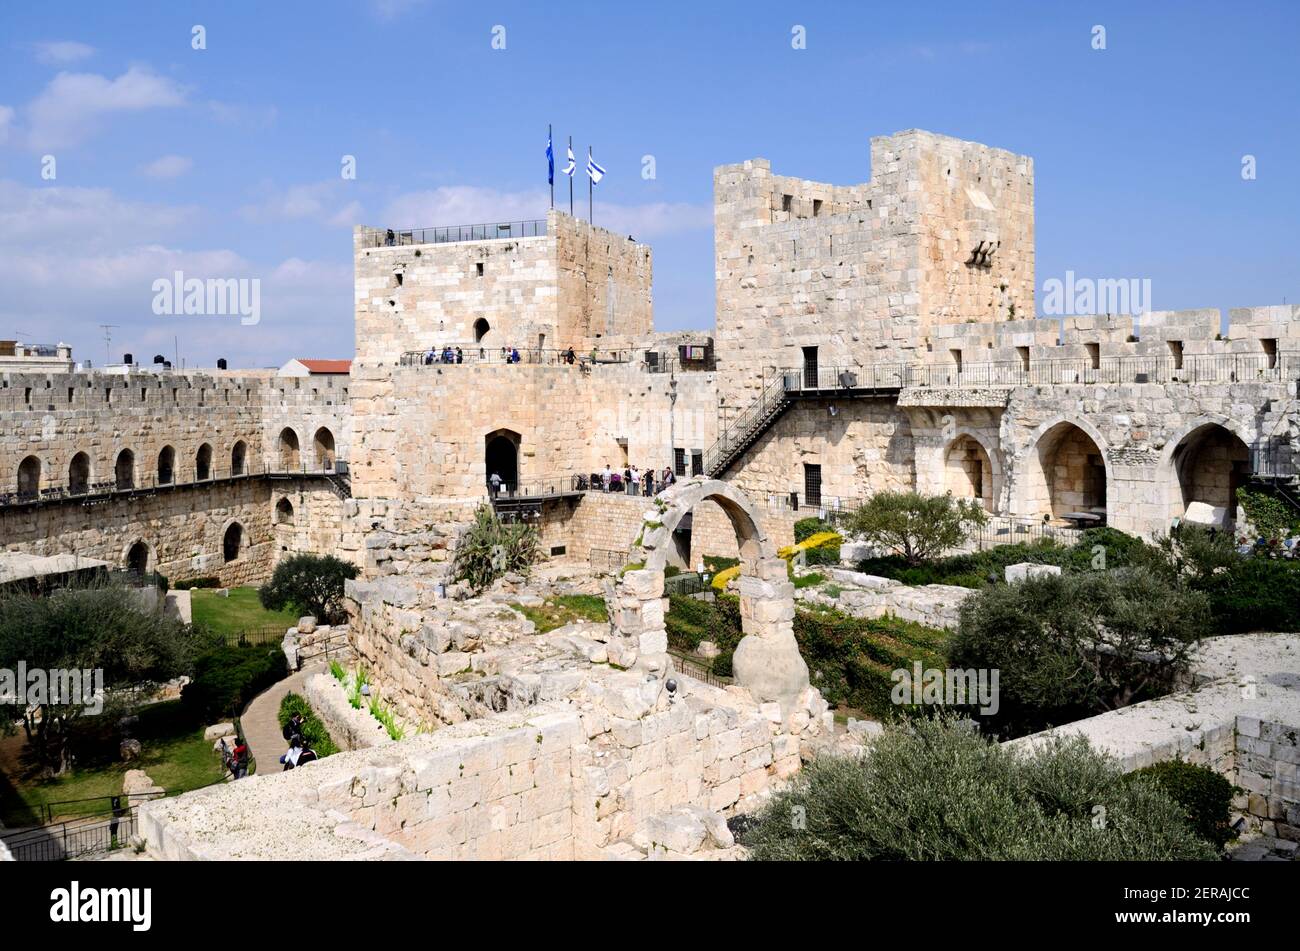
x=308, y=755
x=428, y=357
x=390, y=239
x=514, y=355
x=495, y=482
x=649, y=482
x=668, y=478
x=239, y=758
x=627, y=479
x=290, y=759
x=460, y=355
x=607, y=477
x=293, y=727
x=570, y=357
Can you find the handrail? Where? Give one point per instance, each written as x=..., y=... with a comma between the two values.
x=450, y=234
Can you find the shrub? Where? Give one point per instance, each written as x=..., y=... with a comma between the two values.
x=1077, y=644
x=916, y=526
x=491, y=548
x=314, y=583
x=313, y=731
x=227, y=678
x=806, y=528
x=1204, y=796
x=1272, y=518
x=1247, y=593
x=930, y=790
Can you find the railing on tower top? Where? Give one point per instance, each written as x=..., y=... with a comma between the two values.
x=449, y=234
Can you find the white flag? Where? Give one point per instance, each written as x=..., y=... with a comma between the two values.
x=594, y=170
x=572, y=166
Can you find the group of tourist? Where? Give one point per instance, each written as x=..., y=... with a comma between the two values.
x=446, y=355
x=449, y=354
x=299, y=752
x=635, y=482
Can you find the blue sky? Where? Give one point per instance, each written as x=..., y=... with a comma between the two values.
x=225, y=161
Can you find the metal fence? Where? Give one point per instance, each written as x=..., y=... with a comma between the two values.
x=449, y=234
x=697, y=669
x=257, y=637
x=606, y=559
x=74, y=839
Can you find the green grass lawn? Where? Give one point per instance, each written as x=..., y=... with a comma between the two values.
x=242, y=611
x=565, y=609
x=175, y=756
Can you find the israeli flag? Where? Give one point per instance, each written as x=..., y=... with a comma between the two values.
x=550, y=161
x=573, y=164
x=594, y=170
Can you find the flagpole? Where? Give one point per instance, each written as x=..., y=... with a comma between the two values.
x=550, y=148
x=591, y=191
x=575, y=171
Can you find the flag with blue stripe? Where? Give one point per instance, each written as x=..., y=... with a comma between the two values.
x=550, y=161
x=594, y=170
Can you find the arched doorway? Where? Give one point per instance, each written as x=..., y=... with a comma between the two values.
x=203, y=463
x=1065, y=474
x=767, y=661
x=29, y=478
x=284, y=512
x=137, y=559
x=232, y=542
x=284, y=524
x=288, y=450
x=968, y=472
x=501, y=457
x=238, y=458
x=124, y=469
x=481, y=328
x=166, y=465
x=324, y=444
x=1205, y=470
x=79, y=474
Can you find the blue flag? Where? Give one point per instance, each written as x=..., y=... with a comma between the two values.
x=550, y=161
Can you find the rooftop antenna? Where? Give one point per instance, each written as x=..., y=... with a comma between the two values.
x=108, y=341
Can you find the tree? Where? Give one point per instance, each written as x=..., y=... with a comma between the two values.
x=490, y=548
x=103, y=628
x=1077, y=644
x=931, y=791
x=313, y=583
x=917, y=527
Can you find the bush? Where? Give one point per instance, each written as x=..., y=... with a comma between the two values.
x=1272, y=518
x=1076, y=644
x=314, y=583
x=931, y=790
x=1204, y=796
x=917, y=527
x=197, y=583
x=491, y=548
x=823, y=554
x=227, y=678
x=313, y=731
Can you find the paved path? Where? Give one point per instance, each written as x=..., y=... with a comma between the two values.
x=261, y=720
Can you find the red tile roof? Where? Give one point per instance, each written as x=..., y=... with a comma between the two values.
x=327, y=366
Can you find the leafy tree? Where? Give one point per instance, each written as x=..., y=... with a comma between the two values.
x=1076, y=644
x=917, y=527
x=105, y=628
x=491, y=548
x=932, y=791
x=314, y=583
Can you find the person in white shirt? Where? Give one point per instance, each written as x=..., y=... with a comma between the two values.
x=607, y=476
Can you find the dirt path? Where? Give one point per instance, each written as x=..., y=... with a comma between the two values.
x=261, y=720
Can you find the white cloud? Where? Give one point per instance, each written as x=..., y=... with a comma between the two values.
x=62, y=52
x=245, y=116
x=168, y=166
x=73, y=105
x=320, y=201
x=469, y=204
x=392, y=9
x=6, y=117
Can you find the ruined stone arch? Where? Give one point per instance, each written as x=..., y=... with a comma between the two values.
x=79, y=474
x=29, y=477
x=1056, y=471
x=1206, y=462
x=972, y=469
x=284, y=512
x=767, y=660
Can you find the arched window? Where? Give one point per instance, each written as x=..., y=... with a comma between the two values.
x=137, y=559
x=29, y=478
x=232, y=542
x=284, y=512
x=203, y=463
x=166, y=465
x=79, y=474
x=288, y=450
x=481, y=327
x=324, y=443
x=238, y=456
x=124, y=469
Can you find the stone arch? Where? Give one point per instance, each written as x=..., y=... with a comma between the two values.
x=1207, y=463
x=29, y=477
x=137, y=558
x=232, y=542
x=203, y=463
x=284, y=512
x=971, y=470
x=501, y=456
x=124, y=469
x=238, y=458
x=79, y=474
x=323, y=442
x=1064, y=469
x=481, y=328
x=166, y=465
x=767, y=660
x=288, y=452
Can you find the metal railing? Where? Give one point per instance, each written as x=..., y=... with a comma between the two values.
x=697, y=669
x=735, y=433
x=104, y=489
x=478, y=354
x=70, y=840
x=606, y=559
x=450, y=234
x=334, y=644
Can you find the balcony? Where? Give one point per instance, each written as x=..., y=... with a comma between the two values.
x=451, y=234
